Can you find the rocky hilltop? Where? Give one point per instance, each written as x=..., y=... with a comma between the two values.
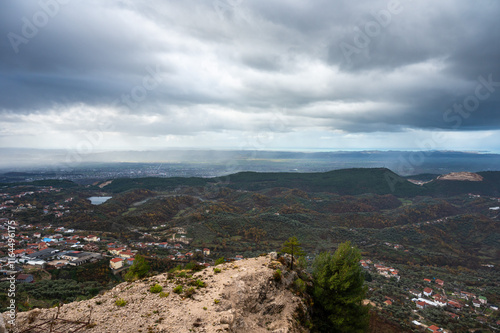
x=245, y=296
x=462, y=176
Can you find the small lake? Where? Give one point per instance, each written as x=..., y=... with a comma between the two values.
x=98, y=200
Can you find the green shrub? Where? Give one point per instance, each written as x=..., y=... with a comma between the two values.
x=219, y=261
x=189, y=292
x=216, y=301
x=178, y=289
x=300, y=285
x=120, y=302
x=156, y=288
x=138, y=270
x=217, y=270
x=175, y=269
x=198, y=283
x=194, y=266
x=190, y=265
x=164, y=294
x=181, y=274
x=277, y=275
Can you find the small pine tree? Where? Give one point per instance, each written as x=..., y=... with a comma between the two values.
x=138, y=270
x=339, y=289
x=219, y=261
x=292, y=247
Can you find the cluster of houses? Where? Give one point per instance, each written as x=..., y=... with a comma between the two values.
x=495, y=208
x=395, y=246
x=432, y=294
x=442, y=300
x=431, y=328
x=34, y=245
x=125, y=257
x=29, y=243
x=9, y=203
x=381, y=269
x=49, y=257
x=58, y=209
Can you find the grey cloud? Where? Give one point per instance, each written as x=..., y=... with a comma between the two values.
x=254, y=57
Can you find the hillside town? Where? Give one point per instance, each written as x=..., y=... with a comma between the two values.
x=43, y=246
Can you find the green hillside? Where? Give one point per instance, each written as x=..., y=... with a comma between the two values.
x=489, y=186
x=346, y=181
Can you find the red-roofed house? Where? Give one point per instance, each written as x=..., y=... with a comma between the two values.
x=206, y=252
x=395, y=275
x=116, y=263
x=19, y=253
x=476, y=303
x=427, y=280
x=117, y=250
x=388, y=302
x=415, y=293
x=440, y=300
x=421, y=305
x=427, y=291
x=24, y=278
x=91, y=238
x=434, y=328
x=467, y=295
x=455, y=304
x=91, y=247
x=440, y=282
x=127, y=254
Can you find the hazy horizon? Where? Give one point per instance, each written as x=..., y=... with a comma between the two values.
x=204, y=162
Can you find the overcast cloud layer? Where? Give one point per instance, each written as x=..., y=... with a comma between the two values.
x=94, y=75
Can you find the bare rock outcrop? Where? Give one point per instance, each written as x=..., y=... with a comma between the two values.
x=462, y=176
x=244, y=297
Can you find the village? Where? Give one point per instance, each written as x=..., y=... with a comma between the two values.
x=46, y=246
x=43, y=246
x=425, y=294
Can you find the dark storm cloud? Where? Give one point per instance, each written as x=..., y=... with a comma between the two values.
x=363, y=66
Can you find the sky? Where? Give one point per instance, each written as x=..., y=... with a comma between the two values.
x=239, y=74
